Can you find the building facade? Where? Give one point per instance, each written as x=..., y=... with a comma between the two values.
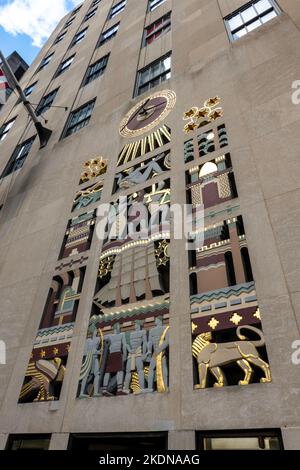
x=143, y=342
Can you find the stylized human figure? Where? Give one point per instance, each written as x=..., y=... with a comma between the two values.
x=158, y=345
x=115, y=362
x=136, y=348
x=140, y=174
x=91, y=363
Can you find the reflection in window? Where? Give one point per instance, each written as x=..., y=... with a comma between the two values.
x=153, y=75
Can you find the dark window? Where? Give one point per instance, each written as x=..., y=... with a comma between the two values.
x=153, y=75
x=90, y=14
x=116, y=9
x=157, y=29
x=75, y=11
x=251, y=16
x=46, y=102
x=240, y=440
x=46, y=61
x=119, y=442
x=65, y=65
x=79, y=37
x=30, y=89
x=18, y=157
x=4, y=130
x=153, y=4
x=95, y=2
x=28, y=442
x=108, y=34
x=60, y=37
x=96, y=70
x=79, y=118
x=68, y=23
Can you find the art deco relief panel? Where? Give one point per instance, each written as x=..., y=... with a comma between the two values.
x=228, y=344
x=127, y=346
x=45, y=372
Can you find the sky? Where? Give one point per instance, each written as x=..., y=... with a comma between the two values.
x=25, y=25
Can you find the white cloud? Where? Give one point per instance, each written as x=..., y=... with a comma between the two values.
x=35, y=18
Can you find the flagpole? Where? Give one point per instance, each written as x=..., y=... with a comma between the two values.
x=43, y=133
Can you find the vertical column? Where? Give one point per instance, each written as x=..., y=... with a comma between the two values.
x=3, y=441
x=59, y=441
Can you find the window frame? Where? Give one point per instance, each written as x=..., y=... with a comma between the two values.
x=231, y=33
x=101, y=42
x=44, y=64
x=10, y=166
x=165, y=27
x=86, y=80
x=159, y=3
x=138, y=85
x=41, y=107
x=114, y=11
x=68, y=125
x=76, y=41
x=92, y=12
x=61, y=37
x=3, y=131
x=62, y=69
x=260, y=434
x=32, y=87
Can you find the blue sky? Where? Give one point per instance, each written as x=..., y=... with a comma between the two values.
x=26, y=24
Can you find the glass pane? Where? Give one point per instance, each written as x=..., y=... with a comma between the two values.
x=167, y=63
x=235, y=22
x=268, y=17
x=240, y=33
x=271, y=443
x=233, y=443
x=248, y=14
x=254, y=25
x=263, y=5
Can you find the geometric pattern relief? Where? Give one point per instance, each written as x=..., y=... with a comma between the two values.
x=212, y=182
x=228, y=342
x=45, y=372
x=88, y=196
x=79, y=235
x=127, y=345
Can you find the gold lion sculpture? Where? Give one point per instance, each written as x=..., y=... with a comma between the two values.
x=211, y=356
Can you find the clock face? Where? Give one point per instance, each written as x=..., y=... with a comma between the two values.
x=148, y=113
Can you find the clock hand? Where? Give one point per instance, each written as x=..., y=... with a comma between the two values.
x=135, y=114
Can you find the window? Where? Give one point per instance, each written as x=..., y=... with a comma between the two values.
x=79, y=118
x=68, y=23
x=154, y=4
x=46, y=102
x=250, y=17
x=79, y=37
x=157, y=29
x=145, y=442
x=90, y=14
x=29, y=442
x=96, y=70
x=60, y=37
x=18, y=157
x=153, y=75
x=116, y=9
x=30, y=89
x=95, y=2
x=108, y=34
x=240, y=440
x=65, y=65
x=76, y=10
x=4, y=130
x=46, y=61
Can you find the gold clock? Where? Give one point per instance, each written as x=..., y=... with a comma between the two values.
x=148, y=113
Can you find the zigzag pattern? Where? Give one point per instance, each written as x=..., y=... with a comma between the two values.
x=225, y=292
